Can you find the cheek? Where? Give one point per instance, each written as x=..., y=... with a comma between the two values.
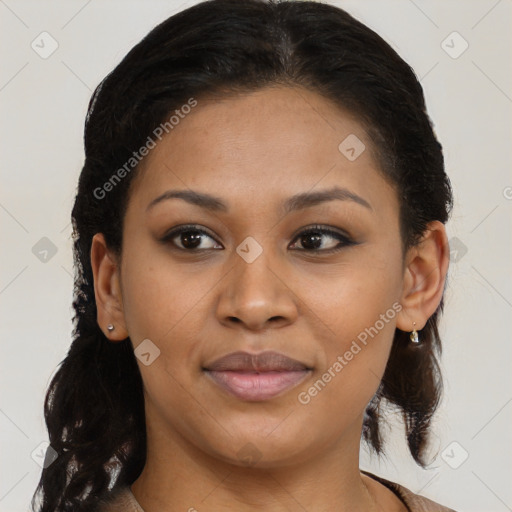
x=169, y=304
x=357, y=306
x=160, y=297
x=350, y=296
x=355, y=359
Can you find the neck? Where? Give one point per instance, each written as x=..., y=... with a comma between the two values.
x=180, y=476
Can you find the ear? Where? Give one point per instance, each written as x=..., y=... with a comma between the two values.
x=107, y=290
x=426, y=265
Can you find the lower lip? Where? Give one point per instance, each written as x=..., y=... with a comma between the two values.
x=257, y=386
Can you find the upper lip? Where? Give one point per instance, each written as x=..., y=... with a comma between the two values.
x=263, y=362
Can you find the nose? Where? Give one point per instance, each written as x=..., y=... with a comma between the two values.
x=257, y=295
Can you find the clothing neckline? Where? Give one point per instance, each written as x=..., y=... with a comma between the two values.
x=395, y=488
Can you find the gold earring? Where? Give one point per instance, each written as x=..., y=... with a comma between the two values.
x=414, y=334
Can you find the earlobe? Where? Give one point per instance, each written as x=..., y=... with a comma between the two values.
x=107, y=290
x=424, y=278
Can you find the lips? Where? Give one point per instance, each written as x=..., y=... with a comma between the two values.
x=256, y=377
x=264, y=362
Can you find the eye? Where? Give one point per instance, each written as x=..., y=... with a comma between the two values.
x=314, y=239
x=320, y=239
x=190, y=238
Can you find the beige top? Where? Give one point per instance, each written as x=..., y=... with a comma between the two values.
x=124, y=501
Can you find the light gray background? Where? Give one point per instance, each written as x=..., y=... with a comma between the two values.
x=43, y=104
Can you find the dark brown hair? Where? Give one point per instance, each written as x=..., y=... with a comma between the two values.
x=94, y=407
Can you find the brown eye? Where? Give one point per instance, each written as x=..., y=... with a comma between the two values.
x=318, y=239
x=190, y=238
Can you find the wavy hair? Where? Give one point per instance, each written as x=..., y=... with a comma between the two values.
x=94, y=406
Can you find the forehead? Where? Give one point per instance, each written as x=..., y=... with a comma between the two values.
x=264, y=143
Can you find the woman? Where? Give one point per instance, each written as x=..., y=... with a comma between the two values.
x=261, y=258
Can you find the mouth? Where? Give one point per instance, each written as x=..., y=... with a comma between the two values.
x=256, y=377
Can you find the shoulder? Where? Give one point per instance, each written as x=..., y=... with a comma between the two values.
x=414, y=502
x=120, y=500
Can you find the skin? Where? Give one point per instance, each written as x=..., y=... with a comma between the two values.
x=254, y=151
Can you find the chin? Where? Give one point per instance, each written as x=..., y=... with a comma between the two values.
x=264, y=452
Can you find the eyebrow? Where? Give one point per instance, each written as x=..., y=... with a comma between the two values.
x=296, y=202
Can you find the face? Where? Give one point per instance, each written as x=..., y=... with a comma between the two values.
x=318, y=278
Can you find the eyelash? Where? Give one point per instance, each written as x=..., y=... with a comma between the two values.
x=345, y=241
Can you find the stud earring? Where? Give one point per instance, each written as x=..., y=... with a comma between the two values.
x=110, y=327
x=414, y=334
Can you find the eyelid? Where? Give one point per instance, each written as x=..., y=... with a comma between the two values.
x=177, y=230
x=323, y=229
x=345, y=239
